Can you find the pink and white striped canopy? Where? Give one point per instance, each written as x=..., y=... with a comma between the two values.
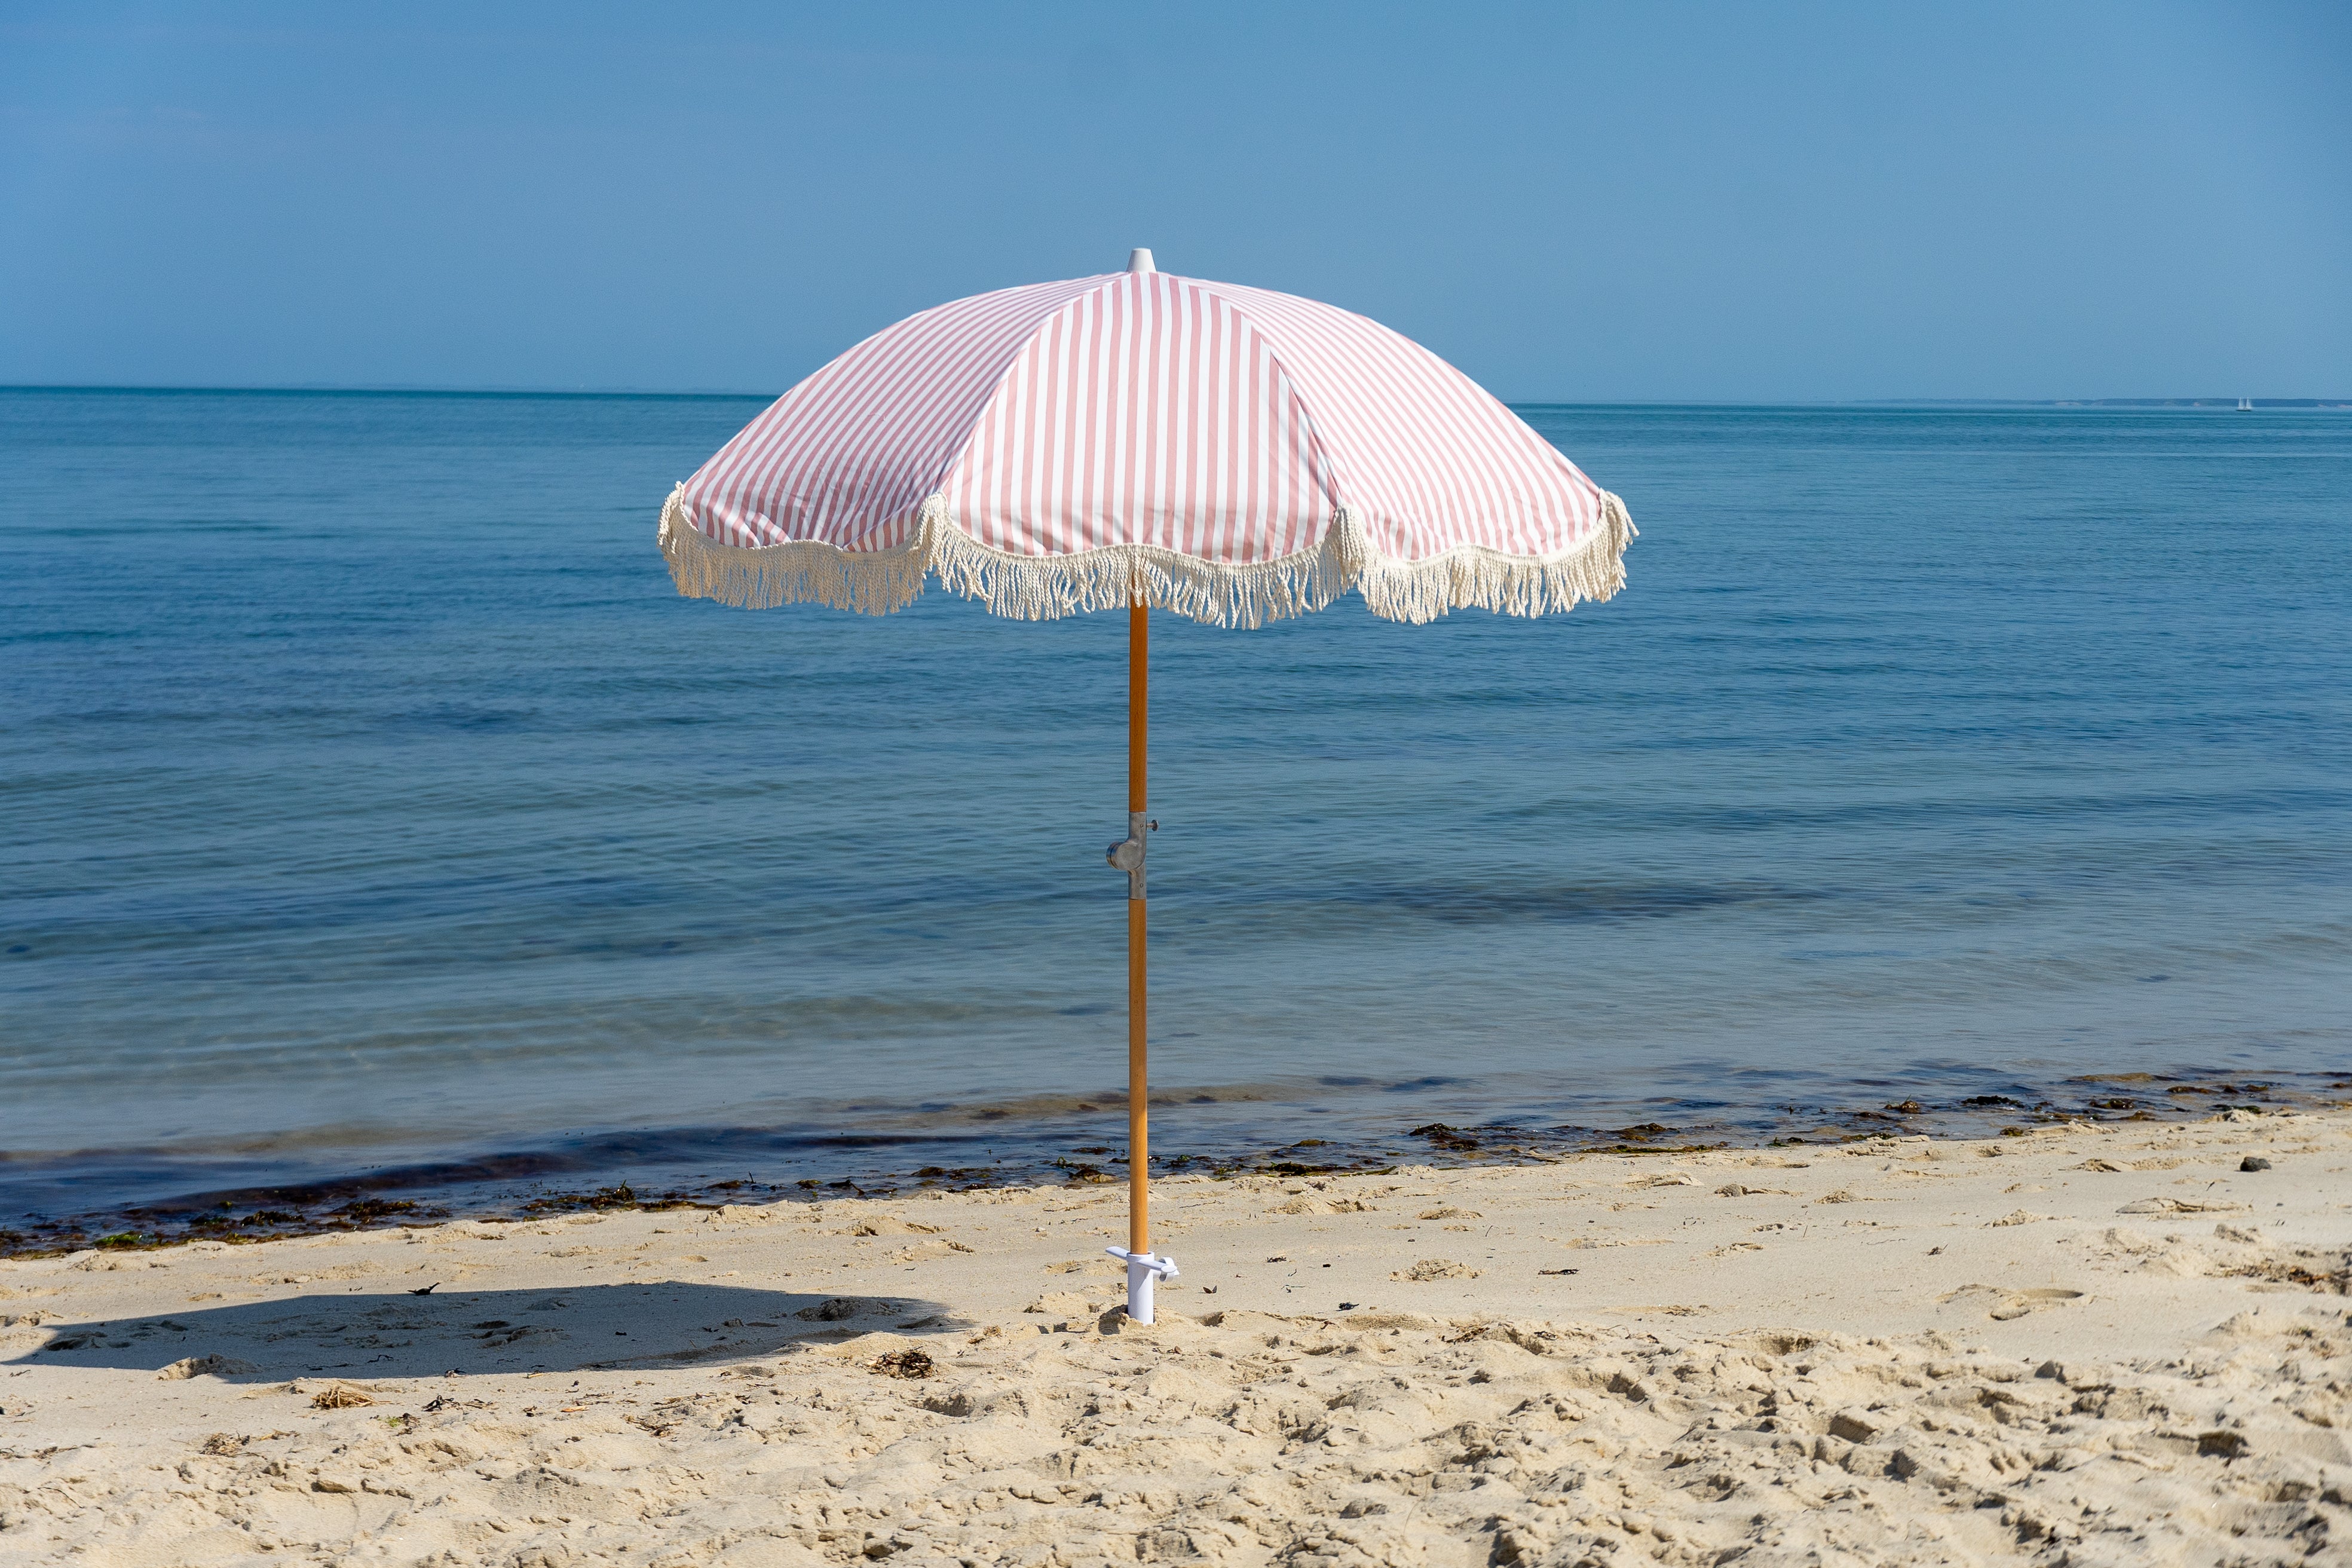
x=1230, y=452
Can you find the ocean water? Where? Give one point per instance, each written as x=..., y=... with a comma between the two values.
x=377, y=814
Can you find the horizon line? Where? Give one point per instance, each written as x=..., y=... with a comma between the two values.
x=405, y=389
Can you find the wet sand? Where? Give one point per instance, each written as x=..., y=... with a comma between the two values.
x=2085, y=1345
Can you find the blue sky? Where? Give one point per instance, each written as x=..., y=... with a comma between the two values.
x=1740, y=202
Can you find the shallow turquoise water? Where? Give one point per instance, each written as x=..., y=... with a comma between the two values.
x=373, y=800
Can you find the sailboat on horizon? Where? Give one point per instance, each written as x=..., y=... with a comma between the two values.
x=2245, y=406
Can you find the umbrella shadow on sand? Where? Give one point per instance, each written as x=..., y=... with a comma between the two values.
x=457, y=1332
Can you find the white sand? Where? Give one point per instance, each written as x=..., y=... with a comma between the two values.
x=1897, y=1353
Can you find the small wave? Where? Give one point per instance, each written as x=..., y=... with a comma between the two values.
x=1573, y=901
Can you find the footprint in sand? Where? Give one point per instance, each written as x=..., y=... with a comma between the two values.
x=2004, y=1305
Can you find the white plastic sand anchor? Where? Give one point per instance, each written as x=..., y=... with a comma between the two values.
x=1143, y=1271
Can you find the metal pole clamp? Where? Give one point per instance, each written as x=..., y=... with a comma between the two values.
x=1127, y=855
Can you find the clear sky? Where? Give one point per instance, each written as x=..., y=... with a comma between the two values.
x=1743, y=202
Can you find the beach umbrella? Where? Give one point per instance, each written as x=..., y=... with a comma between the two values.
x=1134, y=441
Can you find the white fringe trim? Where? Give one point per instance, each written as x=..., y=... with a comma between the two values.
x=1045, y=587
x=872, y=583
x=1474, y=575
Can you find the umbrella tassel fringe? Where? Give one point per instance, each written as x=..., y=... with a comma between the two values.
x=1472, y=576
x=811, y=573
x=1045, y=587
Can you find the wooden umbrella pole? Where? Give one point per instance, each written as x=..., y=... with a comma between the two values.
x=1139, y=1147
x=1144, y=1268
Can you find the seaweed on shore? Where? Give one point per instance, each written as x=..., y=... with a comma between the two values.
x=622, y=1196
x=256, y=1215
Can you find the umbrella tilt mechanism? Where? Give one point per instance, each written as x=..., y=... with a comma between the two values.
x=1127, y=855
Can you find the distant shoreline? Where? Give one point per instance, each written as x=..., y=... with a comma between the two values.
x=2230, y=404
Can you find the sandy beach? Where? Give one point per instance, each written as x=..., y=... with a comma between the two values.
x=2085, y=1344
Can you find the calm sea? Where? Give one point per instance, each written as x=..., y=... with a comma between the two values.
x=376, y=809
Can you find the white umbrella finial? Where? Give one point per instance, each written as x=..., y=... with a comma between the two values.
x=1139, y=259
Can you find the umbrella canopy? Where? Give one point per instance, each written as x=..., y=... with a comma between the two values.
x=1230, y=454
x=1144, y=440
